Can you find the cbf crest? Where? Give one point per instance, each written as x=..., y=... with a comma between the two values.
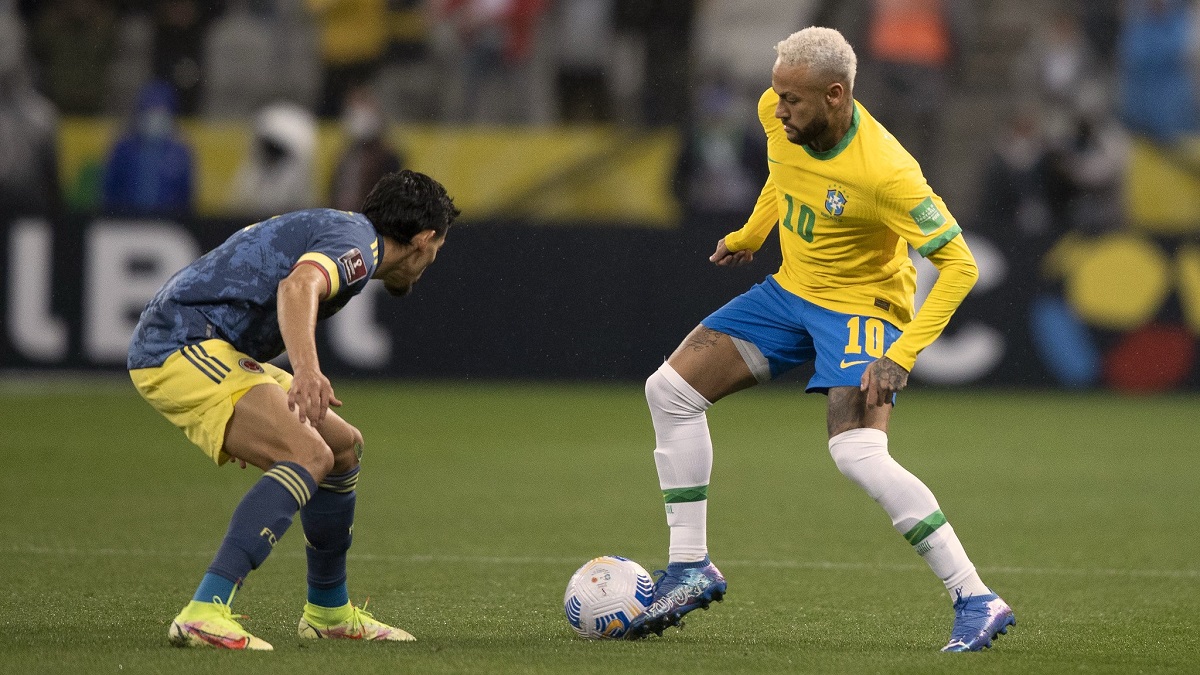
x=835, y=202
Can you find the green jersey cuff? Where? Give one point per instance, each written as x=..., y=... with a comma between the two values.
x=939, y=241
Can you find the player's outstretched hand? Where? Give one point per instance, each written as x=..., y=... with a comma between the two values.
x=311, y=395
x=726, y=258
x=882, y=380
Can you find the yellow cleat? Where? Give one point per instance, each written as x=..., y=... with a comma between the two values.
x=212, y=624
x=347, y=623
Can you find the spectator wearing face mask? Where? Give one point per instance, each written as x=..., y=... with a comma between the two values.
x=28, y=130
x=277, y=175
x=149, y=170
x=367, y=156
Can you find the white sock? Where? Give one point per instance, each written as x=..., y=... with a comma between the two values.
x=945, y=555
x=683, y=456
x=862, y=456
x=689, y=535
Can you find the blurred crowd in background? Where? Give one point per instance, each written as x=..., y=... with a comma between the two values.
x=1042, y=96
x=1063, y=134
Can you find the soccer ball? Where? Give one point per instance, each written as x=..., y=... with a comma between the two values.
x=605, y=595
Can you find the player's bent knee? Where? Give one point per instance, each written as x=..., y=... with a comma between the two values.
x=862, y=456
x=346, y=455
x=343, y=439
x=850, y=464
x=654, y=389
x=668, y=393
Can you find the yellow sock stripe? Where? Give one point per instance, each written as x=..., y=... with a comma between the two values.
x=287, y=485
x=292, y=475
x=337, y=489
x=292, y=482
x=341, y=486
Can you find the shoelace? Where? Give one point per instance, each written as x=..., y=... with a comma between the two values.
x=225, y=608
x=661, y=574
x=356, y=619
x=665, y=574
x=964, y=612
x=960, y=603
x=676, y=579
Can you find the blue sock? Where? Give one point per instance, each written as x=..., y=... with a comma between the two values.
x=328, y=521
x=215, y=586
x=260, y=520
x=329, y=597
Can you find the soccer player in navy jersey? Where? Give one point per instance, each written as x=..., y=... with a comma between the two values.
x=198, y=356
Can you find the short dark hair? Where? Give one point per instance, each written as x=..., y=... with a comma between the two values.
x=405, y=203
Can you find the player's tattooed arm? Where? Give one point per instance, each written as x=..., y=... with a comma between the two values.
x=883, y=379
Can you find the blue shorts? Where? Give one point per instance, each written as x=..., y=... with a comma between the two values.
x=790, y=331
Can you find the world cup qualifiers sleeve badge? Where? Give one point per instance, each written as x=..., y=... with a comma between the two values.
x=356, y=268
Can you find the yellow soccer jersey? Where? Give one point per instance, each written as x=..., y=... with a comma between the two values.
x=846, y=218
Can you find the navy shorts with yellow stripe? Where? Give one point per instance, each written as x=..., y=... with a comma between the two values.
x=790, y=331
x=197, y=387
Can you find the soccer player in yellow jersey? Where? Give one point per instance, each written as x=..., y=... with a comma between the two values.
x=849, y=201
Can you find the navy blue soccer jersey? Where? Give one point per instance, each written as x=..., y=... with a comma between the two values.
x=230, y=293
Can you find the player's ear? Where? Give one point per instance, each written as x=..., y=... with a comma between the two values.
x=423, y=238
x=834, y=93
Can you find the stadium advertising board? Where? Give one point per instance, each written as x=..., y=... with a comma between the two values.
x=522, y=301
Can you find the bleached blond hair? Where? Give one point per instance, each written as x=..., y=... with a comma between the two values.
x=824, y=50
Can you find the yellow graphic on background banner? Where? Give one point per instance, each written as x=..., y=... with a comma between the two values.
x=1115, y=281
x=581, y=174
x=1162, y=186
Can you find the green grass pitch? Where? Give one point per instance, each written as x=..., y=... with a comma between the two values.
x=477, y=502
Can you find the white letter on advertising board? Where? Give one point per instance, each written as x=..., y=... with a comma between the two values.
x=127, y=262
x=36, y=333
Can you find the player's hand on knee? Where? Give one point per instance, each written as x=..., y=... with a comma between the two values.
x=882, y=380
x=311, y=395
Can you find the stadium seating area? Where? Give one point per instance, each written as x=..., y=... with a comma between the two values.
x=531, y=65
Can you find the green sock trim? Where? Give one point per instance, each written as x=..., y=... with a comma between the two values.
x=925, y=528
x=688, y=494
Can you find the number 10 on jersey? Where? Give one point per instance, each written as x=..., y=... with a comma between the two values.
x=806, y=219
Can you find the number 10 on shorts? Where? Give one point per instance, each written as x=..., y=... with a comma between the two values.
x=865, y=336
